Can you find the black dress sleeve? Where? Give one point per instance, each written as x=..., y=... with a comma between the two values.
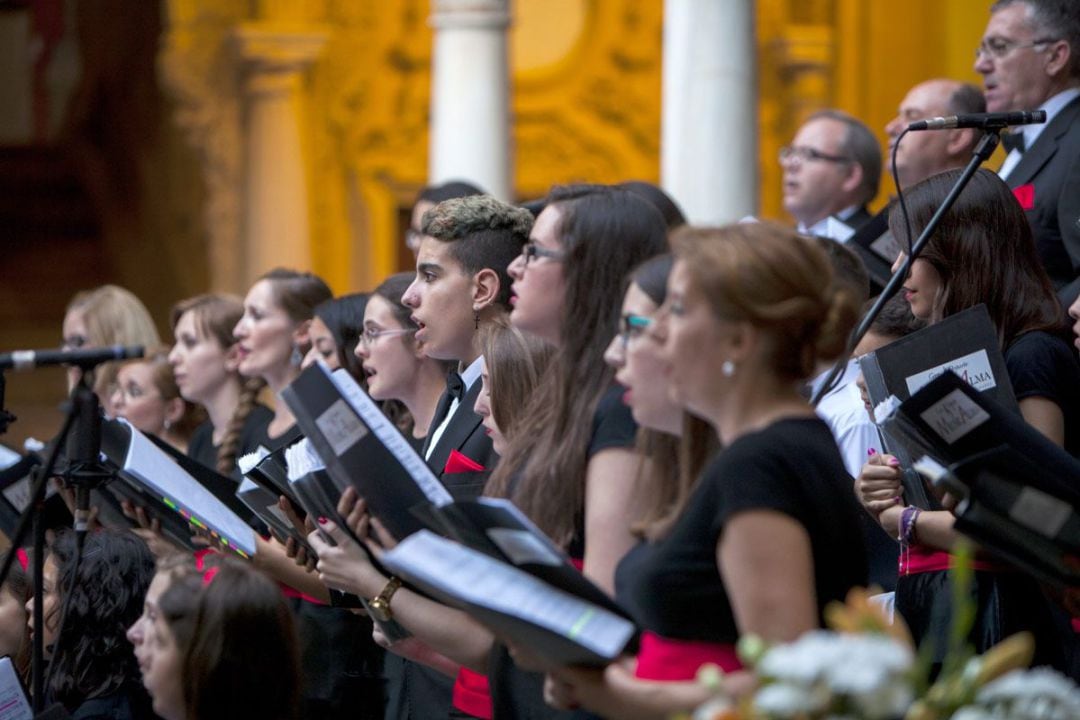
x=1041, y=365
x=613, y=424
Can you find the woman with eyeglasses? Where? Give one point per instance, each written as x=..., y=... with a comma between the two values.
x=393, y=363
x=769, y=535
x=569, y=463
x=102, y=317
x=672, y=444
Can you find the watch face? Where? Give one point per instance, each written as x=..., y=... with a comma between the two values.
x=380, y=609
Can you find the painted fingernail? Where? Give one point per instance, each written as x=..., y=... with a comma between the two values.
x=322, y=520
x=871, y=451
x=894, y=462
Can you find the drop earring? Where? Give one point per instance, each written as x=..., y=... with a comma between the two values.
x=476, y=319
x=297, y=357
x=727, y=368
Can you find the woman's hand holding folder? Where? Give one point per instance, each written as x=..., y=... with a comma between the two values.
x=344, y=565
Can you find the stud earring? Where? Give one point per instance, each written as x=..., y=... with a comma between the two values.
x=727, y=368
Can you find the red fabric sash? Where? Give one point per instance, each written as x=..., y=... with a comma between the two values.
x=671, y=660
x=917, y=559
x=472, y=694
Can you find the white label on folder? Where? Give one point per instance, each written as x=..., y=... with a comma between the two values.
x=1043, y=513
x=954, y=416
x=341, y=427
x=521, y=547
x=974, y=369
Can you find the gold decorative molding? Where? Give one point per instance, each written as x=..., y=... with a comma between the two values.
x=595, y=115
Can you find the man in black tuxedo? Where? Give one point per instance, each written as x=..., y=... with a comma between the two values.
x=1029, y=58
x=462, y=285
x=466, y=245
x=831, y=169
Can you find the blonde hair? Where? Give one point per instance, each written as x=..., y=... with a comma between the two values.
x=113, y=316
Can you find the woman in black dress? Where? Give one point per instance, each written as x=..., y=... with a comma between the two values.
x=982, y=252
x=769, y=535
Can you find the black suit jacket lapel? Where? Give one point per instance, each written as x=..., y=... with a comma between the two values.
x=463, y=423
x=1044, y=148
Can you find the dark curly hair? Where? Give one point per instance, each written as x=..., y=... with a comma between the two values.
x=92, y=656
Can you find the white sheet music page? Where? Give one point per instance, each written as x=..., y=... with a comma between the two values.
x=480, y=580
x=13, y=702
x=177, y=489
x=391, y=437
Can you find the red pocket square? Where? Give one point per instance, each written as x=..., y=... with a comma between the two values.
x=459, y=463
x=1025, y=195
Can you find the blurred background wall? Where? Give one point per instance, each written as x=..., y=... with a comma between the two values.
x=176, y=146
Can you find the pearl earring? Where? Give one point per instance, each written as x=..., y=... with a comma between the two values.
x=727, y=368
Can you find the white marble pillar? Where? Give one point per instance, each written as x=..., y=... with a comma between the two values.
x=709, y=138
x=470, y=91
x=276, y=230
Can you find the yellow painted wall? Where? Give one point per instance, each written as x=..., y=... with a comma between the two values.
x=585, y=98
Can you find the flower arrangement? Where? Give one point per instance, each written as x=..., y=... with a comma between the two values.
x=865, y=667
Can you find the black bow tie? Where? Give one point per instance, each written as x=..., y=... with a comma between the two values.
x=455, y=386
x=1013, y=141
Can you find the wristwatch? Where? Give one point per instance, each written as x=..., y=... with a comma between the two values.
x=380, y=604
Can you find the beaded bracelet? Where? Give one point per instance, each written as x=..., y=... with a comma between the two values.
x=908, y=518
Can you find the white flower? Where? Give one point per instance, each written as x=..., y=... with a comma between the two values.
x=972, y=713
x=1040, y=682
x=783, y=700
x=712, y=709
x=891, y=701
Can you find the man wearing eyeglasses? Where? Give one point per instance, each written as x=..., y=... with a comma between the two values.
x=831, y=169
x=1029, y=58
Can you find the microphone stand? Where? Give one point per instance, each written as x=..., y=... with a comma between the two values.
x=982, y=153
x=6, y=418
x=85, y=472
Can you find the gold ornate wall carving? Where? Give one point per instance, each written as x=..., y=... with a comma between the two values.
x=593, y=114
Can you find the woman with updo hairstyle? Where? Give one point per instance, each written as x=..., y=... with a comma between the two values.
x=335, y=331
x=273, y=336
x=204, y=360
x=146, y=395
x=770, y=534
x=224, y=647
x=981, y=252
x=102, y=317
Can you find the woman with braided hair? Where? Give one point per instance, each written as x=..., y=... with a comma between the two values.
x=205, y=362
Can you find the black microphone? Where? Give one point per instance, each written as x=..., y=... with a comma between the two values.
x=983, y=121
x=30, y=359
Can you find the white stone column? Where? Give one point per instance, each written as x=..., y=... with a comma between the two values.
x=276, y=230
x=470, y=91
x=709, y=138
